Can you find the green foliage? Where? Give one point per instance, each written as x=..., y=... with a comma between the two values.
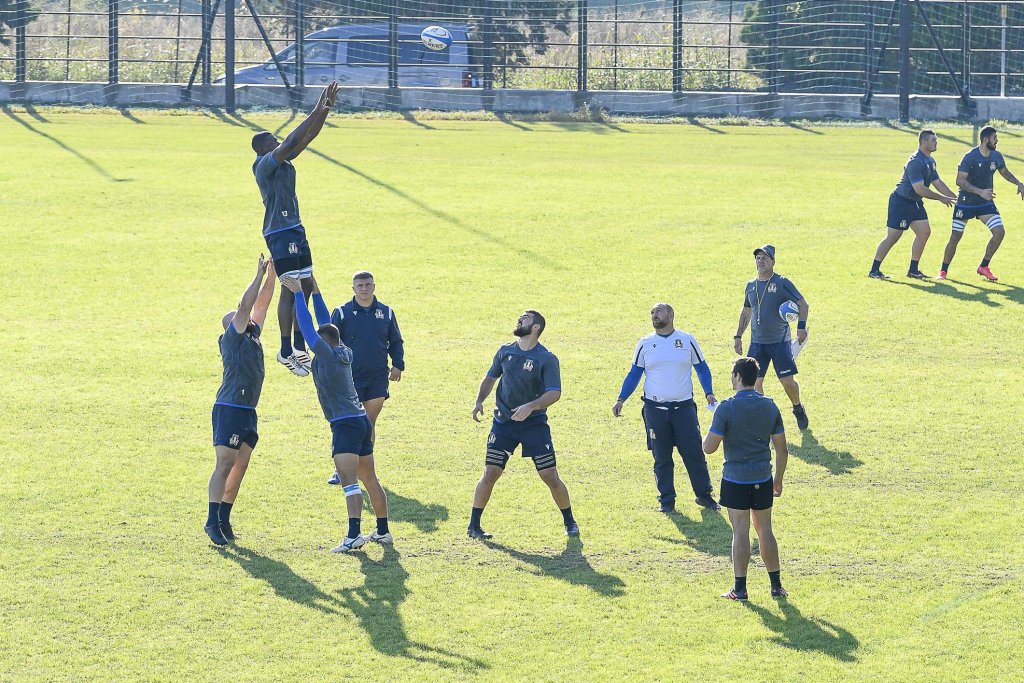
x=9, y=18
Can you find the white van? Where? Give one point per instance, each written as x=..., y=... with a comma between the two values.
x=357, y=54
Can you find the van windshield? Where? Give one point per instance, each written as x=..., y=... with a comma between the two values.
x=373, y=50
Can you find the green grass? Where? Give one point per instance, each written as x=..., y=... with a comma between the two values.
x=125, y=241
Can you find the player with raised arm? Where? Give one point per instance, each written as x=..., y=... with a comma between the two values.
x=906, y=210
x=530, y=381
x=977, y=199
x=234, y=411
x=282, y=226
x=352, y=445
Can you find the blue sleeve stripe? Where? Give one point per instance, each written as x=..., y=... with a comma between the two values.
x=782, y=432
x=919, y=180
x=553, y=389
x=491, y=376
x=713, y=431
x=272, y=159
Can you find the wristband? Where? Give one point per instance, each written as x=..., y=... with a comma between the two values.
x=801, y=325
x=738, y=336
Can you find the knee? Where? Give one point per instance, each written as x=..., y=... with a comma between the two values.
x=998, y=233
x=925, y=232
x=491, y=474
x=226, y=462
x=550, y=477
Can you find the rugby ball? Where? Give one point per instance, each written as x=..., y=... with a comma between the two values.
x=436, y=37
x=789, y=312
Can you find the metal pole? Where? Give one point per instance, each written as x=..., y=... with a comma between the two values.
x=869, y=50
x=965, y=50
x=392, y=43
x=229, y=55
x=773, y=45
x=968, y=102
x=300, y=47
x=204, y=46
x=581, y=45
x=113, y=10
x=1002, y=54
x=67, y=48
x=269, y=46
x=488, y=56
x=728, y=50
x=615, y=49
x=905, y=75
x=20, y=58
x=677, y=45
x=177, y=44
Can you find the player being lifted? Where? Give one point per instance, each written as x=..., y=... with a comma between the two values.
x=906, y=210
x=976, y=200
x=352, y=445
x=282, y=226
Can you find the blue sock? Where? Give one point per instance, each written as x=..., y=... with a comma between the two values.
x=741, y=584
x=474, y=520
x=299, y=341
x=213, y=519
x=984, y=263
x=382, y=525
x=353, y=526
x=567, y=516
x=225, y=513
x=875, y=265
x=286, y=346
x=913, y=266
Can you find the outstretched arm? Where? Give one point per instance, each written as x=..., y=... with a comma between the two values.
x=943, y=188
x=481, y=395
x=302, y=317
x=323, y=314
x=923, y=191
x=266, y=295
x=1005, y=172
x=306, y=131
x=241, y=319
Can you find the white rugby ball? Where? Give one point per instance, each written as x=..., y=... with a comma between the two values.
x=436, y=37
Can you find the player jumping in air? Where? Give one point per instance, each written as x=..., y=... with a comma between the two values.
x=976, y=200
x=906, y=210
x=282, y=226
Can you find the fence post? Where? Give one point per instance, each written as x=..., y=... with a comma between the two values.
x=965, y=50
x=392, y=44
x=229, y=55
x=773, y=46
x=488, y=50
x=299, y=91
x=113, y=10
x=869, y=53
x=677, y=45
x=205, y=45
x=905, y=74
x=581, y=45
x=20, y=59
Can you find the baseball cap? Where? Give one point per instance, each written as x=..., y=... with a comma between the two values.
x=767, y=249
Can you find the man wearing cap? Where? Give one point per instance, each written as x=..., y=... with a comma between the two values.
x=769, y=331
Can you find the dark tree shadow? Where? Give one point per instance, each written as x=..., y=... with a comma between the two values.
x=67, y=148
x=570, y=566
x=376, y=605
x=223, y=118
x=980, y=295
x=127, y=113
x=803, y=129
x=408, y=116
x=609, y=124
x=813, y=453
x=507, y=120
x=237, y=120
x=34, y=113
x=286, y=583
x=402, y=509
x=291, y=117
x=796, y=632
x=593, y=127
x=711, y=536
x=693, y=121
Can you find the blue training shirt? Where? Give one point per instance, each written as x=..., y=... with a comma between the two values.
x=979, y=169
x=332, y=370
x=277, y=187
x=524, y=376
x=372, y=333
x=920, y=168
x=242, y=356
x=746, y=423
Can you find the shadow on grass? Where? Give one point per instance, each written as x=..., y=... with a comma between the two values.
x=981, y=295
x=67, y=148
x=796, y=632
x=424, y=516
x=286, y=583
x=291, y=117
x=803, y=129
x=712, y=535
x=813, y=453
x=507, y=120
x=534, y=257
x=570, y=566
x=408, y=116
x=34, y=113
x=376, y=605
x=694, y=121
x=127, y=113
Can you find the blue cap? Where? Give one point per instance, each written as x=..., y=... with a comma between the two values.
x=768, y=249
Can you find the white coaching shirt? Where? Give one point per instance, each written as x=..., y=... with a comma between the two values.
x=668, y=365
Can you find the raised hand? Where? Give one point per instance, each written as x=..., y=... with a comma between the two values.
x=291, y=284
x=261, y=266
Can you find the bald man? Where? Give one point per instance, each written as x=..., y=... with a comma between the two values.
x=666, y=359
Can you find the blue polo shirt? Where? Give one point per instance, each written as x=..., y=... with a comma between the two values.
x=746, y=422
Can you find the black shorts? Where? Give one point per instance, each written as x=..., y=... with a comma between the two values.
x=965, y=212
x=780, y=355
x=370, y=389
x=903, y=212
x=352, y=435
x=758, y=496
x=233, y=426
x=290, y=252
x=534, y=435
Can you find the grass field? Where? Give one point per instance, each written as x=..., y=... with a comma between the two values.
x=127, y=237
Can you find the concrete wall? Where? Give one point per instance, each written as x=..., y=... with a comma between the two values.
x=754, y=105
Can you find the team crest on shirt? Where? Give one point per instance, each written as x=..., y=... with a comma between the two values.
x=772, y=287
x=528, y=365
x=293, y=248
x=379, y=314
x=492, y=438
x=992, y=166
x=679, y=343
x=234, y=440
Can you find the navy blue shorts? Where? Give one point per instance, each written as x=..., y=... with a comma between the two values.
x=373, y=388
x=780, y=355
x=759, y=496
x=534, y=435
x=352, y=435
x=903, y=212
x=234, y=426
x=290, y=251
x=965, y=212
